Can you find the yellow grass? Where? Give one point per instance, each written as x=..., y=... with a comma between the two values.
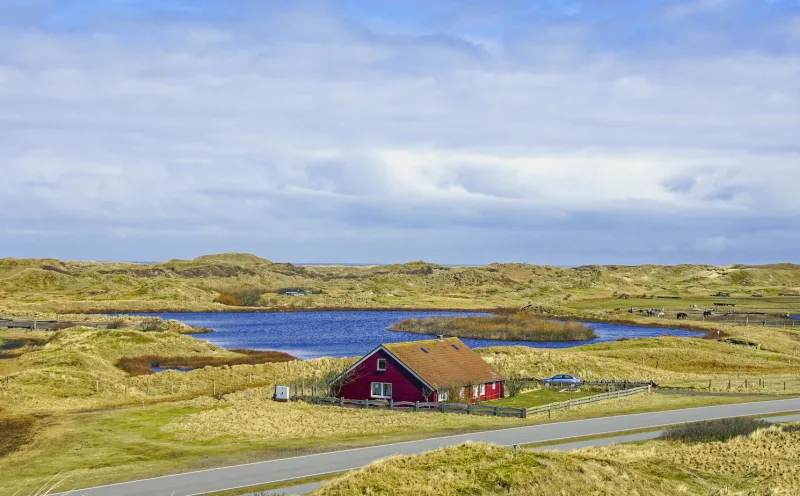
x=182, y=285
x=765, y=462
x=253, y=415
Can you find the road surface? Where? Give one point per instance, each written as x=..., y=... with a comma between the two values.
x=254, y=474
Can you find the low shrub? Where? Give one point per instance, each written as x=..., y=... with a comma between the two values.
x=227, y=299
x=117, y=323
x=243, y=298
x=151, y=324
x=714, y=430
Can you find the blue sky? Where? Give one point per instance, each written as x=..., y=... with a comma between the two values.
x=556, y=132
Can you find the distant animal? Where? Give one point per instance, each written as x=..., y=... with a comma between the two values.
x=707, y=313
x=682, y=316
x=660, y=315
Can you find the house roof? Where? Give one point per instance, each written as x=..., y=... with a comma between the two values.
x=444, y=363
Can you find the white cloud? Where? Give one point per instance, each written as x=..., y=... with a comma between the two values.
x=300, y=125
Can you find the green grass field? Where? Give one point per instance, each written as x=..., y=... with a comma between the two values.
x=540, y=397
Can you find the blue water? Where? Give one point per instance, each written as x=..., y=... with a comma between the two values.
x=178, y=369
x=354, y=333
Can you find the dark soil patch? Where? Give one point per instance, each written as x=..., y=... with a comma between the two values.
x=15, y=433
x=143, y=365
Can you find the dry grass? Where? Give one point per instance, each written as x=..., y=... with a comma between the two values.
x=509, y=326
x=253, y=415
x=482, y=469
x=192, y=285
x=765, y=462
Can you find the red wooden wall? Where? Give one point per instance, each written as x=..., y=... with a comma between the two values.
x=405, y=387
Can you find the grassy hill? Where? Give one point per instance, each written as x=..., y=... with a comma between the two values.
x=55, y=286
x=763, y=462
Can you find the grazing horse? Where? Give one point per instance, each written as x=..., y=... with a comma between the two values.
x=683, y=316
x=661, y=314
x=707, y=313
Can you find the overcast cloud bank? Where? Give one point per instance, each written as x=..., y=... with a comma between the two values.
x=576, y=132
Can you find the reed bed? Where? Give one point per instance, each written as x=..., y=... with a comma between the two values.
x=143, y=365
x=518, y=326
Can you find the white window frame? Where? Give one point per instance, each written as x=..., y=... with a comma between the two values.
x=475, y=391
x=483, y=390
x=383, y=390
x=381, y=360
x=444, y=395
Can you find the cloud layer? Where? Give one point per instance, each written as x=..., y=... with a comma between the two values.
x=602, y=132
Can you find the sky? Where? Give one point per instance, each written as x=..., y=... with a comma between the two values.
x=560, y=132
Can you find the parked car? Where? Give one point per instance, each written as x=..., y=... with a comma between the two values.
x=563, y=380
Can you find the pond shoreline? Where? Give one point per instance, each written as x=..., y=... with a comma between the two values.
x=708, y=333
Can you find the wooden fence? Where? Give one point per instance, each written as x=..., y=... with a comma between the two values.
x=478, y=409
x=566, y=405
x=420, y=406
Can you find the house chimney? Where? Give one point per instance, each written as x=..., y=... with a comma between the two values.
x=441, y=337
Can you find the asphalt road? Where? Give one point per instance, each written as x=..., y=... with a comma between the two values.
x=196, y=483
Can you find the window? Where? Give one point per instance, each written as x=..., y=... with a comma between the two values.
x=381, y=364
x=483, y=389
x=381, y=390
x=454, y=346
x=424, y=350
x=475, y=391
x=444, y=395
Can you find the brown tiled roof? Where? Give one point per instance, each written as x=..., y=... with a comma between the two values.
x=447, y=363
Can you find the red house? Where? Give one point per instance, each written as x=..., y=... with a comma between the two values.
x=432, y=370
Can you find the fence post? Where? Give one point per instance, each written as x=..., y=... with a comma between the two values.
x=469, y=409
x=416, y=406
x=784, y=385
x=524, y=413
x=496, y=411
x=391, y=404
x=441, y=407
x=97, y=386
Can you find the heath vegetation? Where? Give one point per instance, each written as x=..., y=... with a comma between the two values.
x=763, y=461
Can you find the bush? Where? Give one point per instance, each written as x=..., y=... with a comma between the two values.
x=117, y=323
x=244, y=298
x=151, y=324
x=227, y=299
x=714, y=430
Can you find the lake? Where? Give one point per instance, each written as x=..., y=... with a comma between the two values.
x=353, y=333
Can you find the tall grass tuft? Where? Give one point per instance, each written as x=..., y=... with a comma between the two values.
x=518, y=326
x=714, y=430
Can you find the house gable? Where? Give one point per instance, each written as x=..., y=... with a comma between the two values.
x=368, y=373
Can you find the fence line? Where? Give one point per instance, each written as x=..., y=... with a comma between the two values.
x=477, y=409
x=566, y=405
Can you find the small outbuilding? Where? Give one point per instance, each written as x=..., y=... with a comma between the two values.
x=435, y=370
